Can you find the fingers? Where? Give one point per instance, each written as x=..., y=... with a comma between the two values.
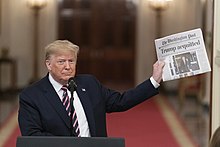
x=158, y=70
x=160, y=64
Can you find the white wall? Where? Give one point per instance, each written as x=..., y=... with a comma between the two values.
x=4, y=34
x=20, y=38
x=145, y=53
x=17, y=34
x=4, y=26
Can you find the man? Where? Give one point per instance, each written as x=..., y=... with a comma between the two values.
x=42, y=111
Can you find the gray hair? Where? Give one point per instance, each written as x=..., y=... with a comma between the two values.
x=60, y=46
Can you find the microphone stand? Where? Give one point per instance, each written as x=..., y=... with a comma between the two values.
x=71, y=114
x=72, y=87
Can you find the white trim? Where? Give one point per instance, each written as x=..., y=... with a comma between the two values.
x=215, y=120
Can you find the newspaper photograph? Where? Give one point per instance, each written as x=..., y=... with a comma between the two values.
x=184, y=54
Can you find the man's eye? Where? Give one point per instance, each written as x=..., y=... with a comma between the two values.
x=60, y=62
x=71, y=61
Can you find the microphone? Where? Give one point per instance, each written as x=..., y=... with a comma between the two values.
x=71, y=85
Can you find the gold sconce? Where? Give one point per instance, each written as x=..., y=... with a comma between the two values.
x=158, y=6
x=36, y=6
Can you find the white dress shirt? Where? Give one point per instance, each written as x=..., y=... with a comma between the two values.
x=155, y=84
x=80, y=113
x=82, y=120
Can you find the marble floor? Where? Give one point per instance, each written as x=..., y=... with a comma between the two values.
x=194, y=116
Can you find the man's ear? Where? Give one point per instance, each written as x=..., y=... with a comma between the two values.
x=48, y=65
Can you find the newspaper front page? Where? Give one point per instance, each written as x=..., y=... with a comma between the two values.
x=184, y=54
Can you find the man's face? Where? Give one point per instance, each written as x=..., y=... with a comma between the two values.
x=62, y=66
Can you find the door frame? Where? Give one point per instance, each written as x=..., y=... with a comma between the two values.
x=215, y=95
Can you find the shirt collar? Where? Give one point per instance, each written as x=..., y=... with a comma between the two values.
x=57, y=86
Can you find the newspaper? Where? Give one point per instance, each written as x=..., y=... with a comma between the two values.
x=184, y=54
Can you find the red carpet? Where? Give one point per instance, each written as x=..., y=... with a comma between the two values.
x=142, y=126
x=9, y=130
x=11, y=142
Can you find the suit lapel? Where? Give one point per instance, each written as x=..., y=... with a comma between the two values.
x=87, y=106
x=54, y=100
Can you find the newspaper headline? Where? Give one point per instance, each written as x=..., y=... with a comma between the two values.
x=184, y=54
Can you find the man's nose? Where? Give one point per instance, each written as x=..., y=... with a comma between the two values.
x=67, y=64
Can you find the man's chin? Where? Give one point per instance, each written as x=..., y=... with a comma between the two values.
x=67, y=77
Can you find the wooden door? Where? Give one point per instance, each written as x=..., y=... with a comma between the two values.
x=105, y=32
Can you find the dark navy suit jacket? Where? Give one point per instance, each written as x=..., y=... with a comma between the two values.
x=41, y=112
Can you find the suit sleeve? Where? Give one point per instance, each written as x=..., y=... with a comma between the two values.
x=116, y=101
x=29, y=118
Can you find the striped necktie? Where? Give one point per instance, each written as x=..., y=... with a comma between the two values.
x=68, y=106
